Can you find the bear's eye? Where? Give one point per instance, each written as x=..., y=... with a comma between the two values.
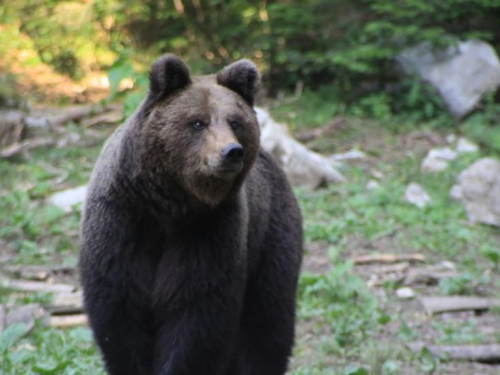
x=234, y=125
x=198, y=125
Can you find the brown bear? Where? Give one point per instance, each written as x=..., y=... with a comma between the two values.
x=191, y=236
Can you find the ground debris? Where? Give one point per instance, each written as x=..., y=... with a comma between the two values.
x=68, y=321
x=439, y=304
x=405, y=293
x=111, y=117
x=478, y=353
x=310, y=135
x=387, y=258
x=35, y=286
x=56, y=117
x=36, y=272
x=30, y=144
x=66, y=303
x=424, y=276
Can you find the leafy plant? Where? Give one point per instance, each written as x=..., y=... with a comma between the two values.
x=342, y=299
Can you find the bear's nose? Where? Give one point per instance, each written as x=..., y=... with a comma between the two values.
x=233, y=153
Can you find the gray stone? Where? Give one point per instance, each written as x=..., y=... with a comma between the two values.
x=302, y=166
x=480, y=191
x=67, y=199
x=465, y=146
x=405, y=293
x=415, y=194
x=462, y=74
x=438, y=159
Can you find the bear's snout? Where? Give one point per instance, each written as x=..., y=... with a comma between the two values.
x=231, y=159
x=232, y=154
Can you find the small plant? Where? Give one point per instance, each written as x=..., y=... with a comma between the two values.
x=342, y=299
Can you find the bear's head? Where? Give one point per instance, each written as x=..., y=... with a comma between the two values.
x=199, y=132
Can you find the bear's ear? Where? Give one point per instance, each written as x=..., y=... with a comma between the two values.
x=241, y=77
x=168, y=74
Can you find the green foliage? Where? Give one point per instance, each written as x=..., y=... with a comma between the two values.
x=36, y=231
x=428, y=363
x=11, y=335
x=343, y=301
x=50, y=351
x=348, y=44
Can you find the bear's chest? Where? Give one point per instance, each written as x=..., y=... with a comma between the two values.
x=196, y=259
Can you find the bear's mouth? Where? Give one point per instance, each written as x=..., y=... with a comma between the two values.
x=227, y=171
x=224, y=168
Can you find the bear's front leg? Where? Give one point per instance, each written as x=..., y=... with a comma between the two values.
x=117, y=296
x=123, y=334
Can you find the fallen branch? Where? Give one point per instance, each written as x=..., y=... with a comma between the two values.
x=17, y=148
x=393, y=268
x=426, y=277
x=63, y=116
x=476, y=353
x=35, y=286
x=68, y=321
x=36, y=272
x=436, y=305
x=387, y=258
x=111, y=117
x=310, y=135
x=66, y=303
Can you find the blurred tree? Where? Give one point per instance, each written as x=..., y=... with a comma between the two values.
x=347, y=42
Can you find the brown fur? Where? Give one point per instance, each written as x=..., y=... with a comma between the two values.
x=190, y=259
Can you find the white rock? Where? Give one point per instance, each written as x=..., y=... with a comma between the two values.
x=447, y=265
x=415, y=194
x=462, y=74
x=451, y=138
x=66, y=199
x=377, y=174
x=372, y=185
x=465, y=146
x=405, y=293
x=438, y=159
x=302, y=166
x=480, y=185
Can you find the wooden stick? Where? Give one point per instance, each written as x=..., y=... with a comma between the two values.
x=35, y=286
x=17, y=148
x=67, y=321
x=437, y=304
x=104, y=118
x=309, y=135
x=392, y=268
x=477, y=353
x=387, y=258
x=66, y=303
